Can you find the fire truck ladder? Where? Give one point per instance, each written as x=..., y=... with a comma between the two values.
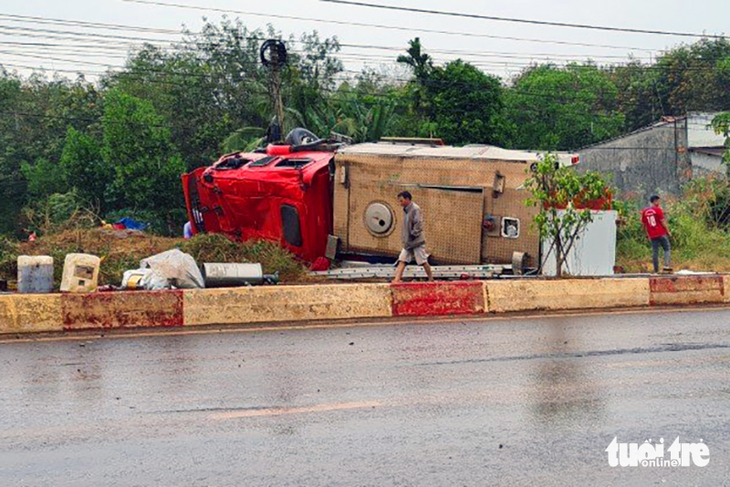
x=416, y=272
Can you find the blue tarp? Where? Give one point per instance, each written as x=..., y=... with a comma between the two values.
x=133, y=224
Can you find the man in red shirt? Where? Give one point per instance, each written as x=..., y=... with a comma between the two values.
x=658, y=232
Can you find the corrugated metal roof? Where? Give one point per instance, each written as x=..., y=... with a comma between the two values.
x=483, y=152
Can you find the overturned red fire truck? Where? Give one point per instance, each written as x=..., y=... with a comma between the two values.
x=309, y=192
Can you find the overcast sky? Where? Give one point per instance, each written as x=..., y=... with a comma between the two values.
x=503, y=57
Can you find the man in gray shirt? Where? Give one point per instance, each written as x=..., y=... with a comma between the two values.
x=412, y=238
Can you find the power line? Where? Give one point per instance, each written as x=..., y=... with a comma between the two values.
x=479, y=54
x=100, y=25
x=358, y=57
x=357, y=46
x=492, y=59
x=361, y=56
x=65, y=37
x=340, y=55
x=89, y=73
x=522, y=21
x=85, y=24
x=167, y=72
x=382, y=26
x=482, y=53
x=46, y=45
x=14, y=29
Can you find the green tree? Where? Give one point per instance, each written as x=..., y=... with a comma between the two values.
x=420, y=62
x=560, y=194
x=85, y=169
x=138, y=146
x=44, y=178
x=464, y=104
x=36, y=112
x=12, y=181
x=639, y=99
x=695, y=77
x=213, y=88
x=553, y=108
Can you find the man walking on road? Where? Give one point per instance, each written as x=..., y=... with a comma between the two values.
x=658, y=232
x=412, y=238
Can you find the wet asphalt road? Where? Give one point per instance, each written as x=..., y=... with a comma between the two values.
x=500, y=402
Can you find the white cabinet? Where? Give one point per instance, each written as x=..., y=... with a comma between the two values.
x=594, y=253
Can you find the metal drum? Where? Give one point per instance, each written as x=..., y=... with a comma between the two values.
x=233, y=275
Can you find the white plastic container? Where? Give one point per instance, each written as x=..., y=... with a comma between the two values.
x=80, y=273
x=132, y=280
x=35, y=274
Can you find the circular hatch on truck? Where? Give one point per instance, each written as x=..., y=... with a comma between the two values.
x=379, y=219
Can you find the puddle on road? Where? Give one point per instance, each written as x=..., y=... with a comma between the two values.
x=317, y=408
x=562, y=390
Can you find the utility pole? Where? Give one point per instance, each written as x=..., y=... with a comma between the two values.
x=276, y=87
x=277, y=57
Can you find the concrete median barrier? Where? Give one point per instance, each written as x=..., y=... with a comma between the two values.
x=30, y=313
x=300, y=304
x=122, y=310
x=565, y=294
x=438, y=299
x=287, y=304
x=673, y=290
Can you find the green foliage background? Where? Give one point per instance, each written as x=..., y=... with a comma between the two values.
x=117, y=146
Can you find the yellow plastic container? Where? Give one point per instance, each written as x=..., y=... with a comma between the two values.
x=80, y=273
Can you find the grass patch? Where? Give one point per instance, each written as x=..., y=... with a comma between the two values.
x=700, y=241
x=220, y=249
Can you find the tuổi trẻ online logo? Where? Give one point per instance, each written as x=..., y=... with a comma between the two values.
x=650, y=454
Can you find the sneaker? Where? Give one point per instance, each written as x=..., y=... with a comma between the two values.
x=668, y=270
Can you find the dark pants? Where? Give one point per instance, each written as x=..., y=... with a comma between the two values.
x=662, y=242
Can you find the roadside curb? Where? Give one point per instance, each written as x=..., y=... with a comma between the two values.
x=568, y=294
x=697, y=290
x=22, y=314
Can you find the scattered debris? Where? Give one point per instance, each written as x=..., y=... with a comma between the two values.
x=130, y=224
x=145, y=279
x=173, y=268
x=132, y=279
x=320, y=265
x=235, y=275
x=80, y=273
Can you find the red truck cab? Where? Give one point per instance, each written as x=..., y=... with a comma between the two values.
x=273, y=195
